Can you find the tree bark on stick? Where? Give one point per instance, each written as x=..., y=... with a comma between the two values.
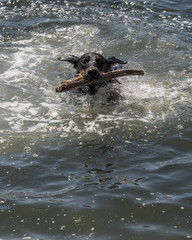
x=80, y=81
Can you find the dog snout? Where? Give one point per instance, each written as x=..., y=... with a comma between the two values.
x=93, y=72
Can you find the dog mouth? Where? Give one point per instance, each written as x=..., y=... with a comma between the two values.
x=92, y=73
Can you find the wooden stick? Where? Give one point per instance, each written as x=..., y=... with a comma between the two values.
x=80, y=81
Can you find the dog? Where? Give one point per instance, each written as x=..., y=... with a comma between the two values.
x=92, y=65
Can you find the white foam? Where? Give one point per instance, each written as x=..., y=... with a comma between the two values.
x=34, y=72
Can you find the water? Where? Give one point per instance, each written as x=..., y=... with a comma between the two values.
x=79, y=168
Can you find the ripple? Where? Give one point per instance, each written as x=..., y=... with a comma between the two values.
x=71, y=165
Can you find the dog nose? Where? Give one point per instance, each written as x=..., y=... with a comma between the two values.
x=93, y=73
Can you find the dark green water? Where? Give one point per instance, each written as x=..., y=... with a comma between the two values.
x=78, y=168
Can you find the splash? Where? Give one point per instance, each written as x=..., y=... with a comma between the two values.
x=31, y=72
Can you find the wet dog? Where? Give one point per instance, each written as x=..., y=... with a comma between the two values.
x=92, y=65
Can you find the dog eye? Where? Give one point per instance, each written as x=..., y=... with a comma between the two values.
x=98, y=60
x=85, y=60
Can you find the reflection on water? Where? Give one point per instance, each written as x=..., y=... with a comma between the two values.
x=77, y=167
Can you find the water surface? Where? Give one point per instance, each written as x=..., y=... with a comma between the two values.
x=77, y=167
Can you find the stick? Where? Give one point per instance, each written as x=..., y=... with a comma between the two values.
x=80, y=81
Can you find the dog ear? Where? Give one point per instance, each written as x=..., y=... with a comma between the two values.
x=71, y=58
x=113, y=60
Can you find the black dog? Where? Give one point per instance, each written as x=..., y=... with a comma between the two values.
x=92, y=65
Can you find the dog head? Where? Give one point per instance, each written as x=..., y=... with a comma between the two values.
x=92, y=65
